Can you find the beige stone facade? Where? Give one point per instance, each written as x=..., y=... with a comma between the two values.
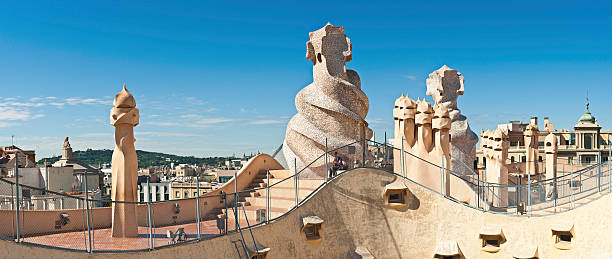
x=577, y=148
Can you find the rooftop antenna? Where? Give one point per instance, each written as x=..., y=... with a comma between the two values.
x=12, y=140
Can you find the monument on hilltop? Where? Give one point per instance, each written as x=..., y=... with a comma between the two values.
x=444, y=86
x=124, y=117
x=332, y=107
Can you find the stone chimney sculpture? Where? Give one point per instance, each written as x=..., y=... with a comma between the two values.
x=445, y=85
x=67, y=151
x=332, y=107
x=425, y=135
x=531, y=147
x=495, y=146
x=124, y=117
x=550, y=148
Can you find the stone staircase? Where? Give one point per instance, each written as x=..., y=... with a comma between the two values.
x=282, y=195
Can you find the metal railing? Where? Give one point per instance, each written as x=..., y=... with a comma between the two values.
x=269, y=198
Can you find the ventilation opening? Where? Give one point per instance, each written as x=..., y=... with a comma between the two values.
x=396, y=197
x=311, y=226
x=566, y=237
x=319, y=57
x=492, y=237
x=563, y=233
x=493, y=242
x=259, y=256
x=312, y=232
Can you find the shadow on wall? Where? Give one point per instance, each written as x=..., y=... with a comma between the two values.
x=374, y=207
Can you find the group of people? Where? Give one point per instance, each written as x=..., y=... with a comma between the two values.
x=339, y=164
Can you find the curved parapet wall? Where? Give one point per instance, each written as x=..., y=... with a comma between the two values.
x=355, y=214
x=332, y=107
x=41, y=222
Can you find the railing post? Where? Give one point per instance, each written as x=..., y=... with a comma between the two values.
x=198, y=206
x=225, y=203
x=87, y=208
x=151, y=245
x=609, y=162
x=365, y=145
x=598, y=171
x=556, y=187
x=295, y=180
x=478, y=189
x=402, y=155
x=442, y=179
x=268, y=196
x=528, y=192
x=236, y=200
x=571, y=187
x=326, y=169
x=486, y=189
x=17, y=194
x=385, y=157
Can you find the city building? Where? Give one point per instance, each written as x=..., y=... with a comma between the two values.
x=583, y=145
x=183, y=170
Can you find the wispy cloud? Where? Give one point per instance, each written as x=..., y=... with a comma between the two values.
x=79, y=100
x=166, y=134
x=411, y=77
x=17, y=114
x=193, y=120
x=378, y=121
x=265, y=122
x=4, y=124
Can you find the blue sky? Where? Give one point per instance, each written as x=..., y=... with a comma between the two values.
x=213, y=78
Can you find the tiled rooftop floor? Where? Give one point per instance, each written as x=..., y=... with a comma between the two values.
x=103, y=240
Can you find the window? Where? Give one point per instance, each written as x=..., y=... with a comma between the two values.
x=396, y=194
x=491, y=237
x=524, y=159
x=588, y=141
x=540, y=159
x=563, y=233
x=491, y=242
x=312, y=232
x=396, y=198
x=178, y=194
x=311, y=227
x=511, y=159
x=540, y=144
x=563, y=240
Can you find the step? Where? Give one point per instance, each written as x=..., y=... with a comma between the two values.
x=302, y=183
x=251, y=212
x=280, y=174
x=284, y=192
x=276, y=202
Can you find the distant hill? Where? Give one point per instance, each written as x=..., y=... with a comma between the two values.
x=145, y=158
